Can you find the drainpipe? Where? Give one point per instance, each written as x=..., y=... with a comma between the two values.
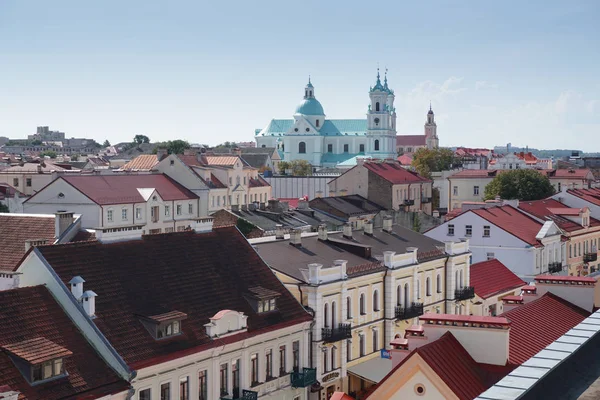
x=446, y=285
x=310, y=332
x=173, y=214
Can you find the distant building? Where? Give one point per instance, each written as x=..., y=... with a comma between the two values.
x=409, y=144
x=492, y=282
x=30, y=177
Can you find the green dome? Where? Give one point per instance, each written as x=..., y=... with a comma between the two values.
x=310, y=106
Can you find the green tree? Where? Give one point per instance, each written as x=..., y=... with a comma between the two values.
x=245, y=227
x=75, y=157
x=521, y=184
x=3, y=208
x=36, y=143
x=139, y=139
x=435, y=198
x=282, y=166
x=106, y=143
x=301, y=168
x=426, y=161
x=49, y=153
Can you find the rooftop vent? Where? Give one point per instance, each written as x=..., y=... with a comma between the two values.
x=296, y=237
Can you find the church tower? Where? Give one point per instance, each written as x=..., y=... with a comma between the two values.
x=381, y=121
x=431, y=137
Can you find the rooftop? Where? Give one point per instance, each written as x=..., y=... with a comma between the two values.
x=34, y=327
x=212, y=273
x=554, y=210
x=345, y=206
x=512, y=221
x=491, y=277
x=15, y=229
x=143, y=162
x=589, y=195
x=393, y=172
x=410, y=140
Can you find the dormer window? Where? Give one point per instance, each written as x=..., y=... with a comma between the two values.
x=262, y=300
x=38, y=359
x=162, y=326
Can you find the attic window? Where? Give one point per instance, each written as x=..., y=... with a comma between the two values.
x=61, y=195
x=262, y=300
x=164, y=325
x=172, y=162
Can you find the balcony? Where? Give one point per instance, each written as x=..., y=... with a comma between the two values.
x=245, y=395
x=425, y=200
x=409, y=202
x=554, y=267
x=466, y=293
x=307, y=377
x=412, y=311
x=590, y=257
x=343, y=331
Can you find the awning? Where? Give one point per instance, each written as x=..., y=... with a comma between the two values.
x=373, y=370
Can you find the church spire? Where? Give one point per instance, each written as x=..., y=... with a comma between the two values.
x=309, y=90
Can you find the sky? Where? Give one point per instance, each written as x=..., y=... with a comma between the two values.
x=496, y=72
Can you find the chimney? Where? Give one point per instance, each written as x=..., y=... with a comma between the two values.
x=262, y=206
x=161, y=153
x=29, y=243
x=399, y=350
x=39, y=169
x=314, y=273
x=341, y=264
x=237, y=151
x=296, y=237
x=77, y=286
x=388, y=258
x=235, y=207
x=368, y=229
x=387, y=224
x=322, y=232
x=252, y=207
x=62, y=221
x=88, y=300
x=578, y=290
x=244, y=207
x=278, y=231
x=302, y=204
x=203, y=225
x=347, y=230
x=511, y=302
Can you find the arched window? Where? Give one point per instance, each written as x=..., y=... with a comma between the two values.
x=399, y=295
x=310, y=93
x=302, y=148
x=326, y=315
x=461, y=279
x=375, y=301
x=348, y=307
x=333, y=314
x=457, y=283
x=377, y=106
x=317, y=123
x=418, y=289
x=363, y=310
x=376, y=144
x=438, y=283
x=428, y=286
x=406, y=295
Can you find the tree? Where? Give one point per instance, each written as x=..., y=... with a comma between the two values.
x=36, y=143
x=245, y=227
x=4, y=208
x=301, y=168
x=106, y=143
x=176, y=146
x=75, y=157
x=435, y=198
x=139, y=139
x=521, y=184
x=48, y=153
x=282, y=166
x=427, y=161
x=227, y=145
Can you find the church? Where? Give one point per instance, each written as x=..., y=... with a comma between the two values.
x=326, y=142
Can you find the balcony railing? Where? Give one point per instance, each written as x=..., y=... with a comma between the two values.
x=466, y=293
x=343, y=331
x=425, y=199
x=411, y=311
x=245, y=395
x=555, y=266
x=590, y=257
x=307, y=377
x=409, y=202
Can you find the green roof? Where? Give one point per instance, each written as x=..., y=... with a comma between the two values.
x=310, y=106
x=339, y=159
x=331, y=127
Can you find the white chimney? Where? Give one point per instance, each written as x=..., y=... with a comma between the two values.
x=388, y=257
x=387, y=223
x=29, y=243
x=88, y=300
x=314, y=273
x=511, y=302
x=341, y=264
x=348, y=230
x=296, y=237
x=77, y=286
x=415, y=256
x=203, y=225
x=323, y=232
x=368, y=230
x=278, y=231
x=62, y=221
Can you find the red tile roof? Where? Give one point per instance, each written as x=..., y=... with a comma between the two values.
x=15, y=229
x=393, y=172
x=589, y=195
x=470, y=319
x=529, y=158
x=455, y=366
x=32, y=313
x=118, y=189
x=410, y=140
x=191, y=160
x=512, y=221
x=258, y=182
x=565, y=278
x=476, y=152
x=143, y=162
x=580, y=173
x=405, y=159
x=492, y=277
x=37, y=350
x=553, y=209
x=537, y=324
x=197, y=274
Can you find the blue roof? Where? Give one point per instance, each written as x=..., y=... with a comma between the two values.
x=310, y=106
x=331, y=127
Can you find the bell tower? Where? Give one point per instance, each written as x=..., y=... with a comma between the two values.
x=381, y=121
x=431, y=137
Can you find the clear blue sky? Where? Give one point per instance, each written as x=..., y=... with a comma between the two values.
x=525, y=72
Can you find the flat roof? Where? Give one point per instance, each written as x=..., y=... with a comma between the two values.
x=373, y=370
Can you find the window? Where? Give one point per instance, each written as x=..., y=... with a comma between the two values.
x=345, y=148
x=559, y=186
x=333, y=314
x=399, y=295
x=409, y=149
x=124, y=214
x=326, y=315
x=418, y=289
x=377, y=106
x=361, y=344
x=254, y=369
x=296, y=356
x=170, y=329
x=438, y=283
x=302, y=148
x=165, y=391
x=184, y=388
x=406, y=295
x=486, y=231
x=138, y=213
x=333, y=357
x=361, y=148
x=348, y=307
x=468, y=230
x=475, y=190
x=28, y=182
x=228, y=199
x=490, y=256
x=317, y=123
x=375, y=341
x=190, y=208
x=450, y=229
x=167, y=210
x=235, y=372
x=145, y=394
x=269, y=363
x=455, y=190
x=428, y=287
x=330, y=148
x=325, y=359
x=244, y=180
x=15, y=182
x=203, y=385
x=266, y=305
x=47, y=370
x=362, y=304
x=109, y=215
x=376, y=144
x=179, y=210
x=223, y=373
x=375, y=301
x=282, y=360
x=172, y=162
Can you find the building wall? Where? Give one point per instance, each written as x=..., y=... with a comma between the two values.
x=463, y=189
x=38, y=181
x=576, y=202
x=354, y=181
x=577, y=246
x=290, y=187
x=492, y=303
x=440, y=182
